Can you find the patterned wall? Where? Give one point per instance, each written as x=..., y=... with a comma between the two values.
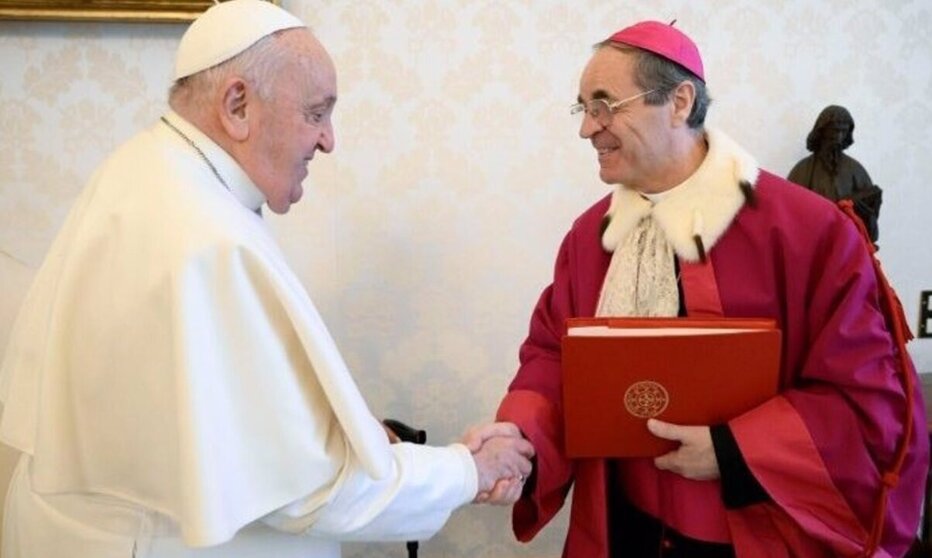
x=427, y=235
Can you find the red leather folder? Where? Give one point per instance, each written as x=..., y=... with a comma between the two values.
x=618, y=372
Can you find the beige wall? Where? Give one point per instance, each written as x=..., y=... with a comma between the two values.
x=427, y=236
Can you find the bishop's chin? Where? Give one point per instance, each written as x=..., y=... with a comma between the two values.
x=607, y=176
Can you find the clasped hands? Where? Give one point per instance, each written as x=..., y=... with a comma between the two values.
x=503, y=461
x=503, y=457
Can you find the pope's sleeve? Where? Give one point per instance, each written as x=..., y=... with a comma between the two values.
x=413, y=502
x=276, y=427
x=533, y=402
x=820, y=448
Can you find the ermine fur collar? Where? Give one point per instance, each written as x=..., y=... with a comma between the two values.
x=704, y=205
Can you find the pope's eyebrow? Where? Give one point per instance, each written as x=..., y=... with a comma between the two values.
x=325, y=104
x=311, y=108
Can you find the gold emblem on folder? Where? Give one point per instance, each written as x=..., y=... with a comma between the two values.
x=646, y=399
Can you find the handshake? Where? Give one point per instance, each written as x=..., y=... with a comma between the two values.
x=503, y=461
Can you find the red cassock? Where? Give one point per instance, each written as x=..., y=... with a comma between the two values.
x=819, y=449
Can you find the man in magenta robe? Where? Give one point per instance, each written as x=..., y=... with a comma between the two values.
x=834, y=465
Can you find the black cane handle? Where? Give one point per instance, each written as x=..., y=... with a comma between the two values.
x=406, y=433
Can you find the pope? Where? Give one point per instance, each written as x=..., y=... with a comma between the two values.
x=169, y=384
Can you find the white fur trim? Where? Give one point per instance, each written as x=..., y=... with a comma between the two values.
x=705, y=204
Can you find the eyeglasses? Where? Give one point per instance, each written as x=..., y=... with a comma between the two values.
x=602, y=110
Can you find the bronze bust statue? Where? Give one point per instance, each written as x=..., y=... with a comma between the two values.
x=834, y=175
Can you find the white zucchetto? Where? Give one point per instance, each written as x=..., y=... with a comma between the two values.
x=227, y=29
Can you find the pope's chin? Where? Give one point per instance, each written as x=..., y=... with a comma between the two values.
x=282, y=205
x=297, y=193
x=279, y=208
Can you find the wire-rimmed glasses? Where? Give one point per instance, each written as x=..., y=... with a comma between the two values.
x=602, y=110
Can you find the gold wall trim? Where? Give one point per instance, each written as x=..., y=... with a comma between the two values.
x=105, y=10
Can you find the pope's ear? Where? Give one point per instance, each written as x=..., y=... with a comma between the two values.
x=233, y=108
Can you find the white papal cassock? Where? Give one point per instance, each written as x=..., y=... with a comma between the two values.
x=174, y=392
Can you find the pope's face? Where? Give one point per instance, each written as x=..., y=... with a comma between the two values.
x=633, y=147
x=294, y=123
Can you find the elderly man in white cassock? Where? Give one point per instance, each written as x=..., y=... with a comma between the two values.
x=169, y=383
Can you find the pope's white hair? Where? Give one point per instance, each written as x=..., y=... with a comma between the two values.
x=259, y=65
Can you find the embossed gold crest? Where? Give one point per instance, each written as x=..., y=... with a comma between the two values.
x=646, y=399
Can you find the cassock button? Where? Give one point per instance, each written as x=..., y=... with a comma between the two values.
x=666, y=544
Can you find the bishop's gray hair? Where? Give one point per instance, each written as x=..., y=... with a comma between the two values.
x=656, y=72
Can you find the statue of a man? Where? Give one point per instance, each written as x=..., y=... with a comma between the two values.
x=834, y=175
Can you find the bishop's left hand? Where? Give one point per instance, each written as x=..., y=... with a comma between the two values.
x=695, y=458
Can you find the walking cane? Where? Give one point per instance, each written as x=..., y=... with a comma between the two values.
x=407, y=434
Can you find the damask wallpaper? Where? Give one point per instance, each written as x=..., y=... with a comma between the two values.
x=426, y=237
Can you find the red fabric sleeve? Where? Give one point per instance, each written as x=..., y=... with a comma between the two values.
x=541, y=424
x=795, y=476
